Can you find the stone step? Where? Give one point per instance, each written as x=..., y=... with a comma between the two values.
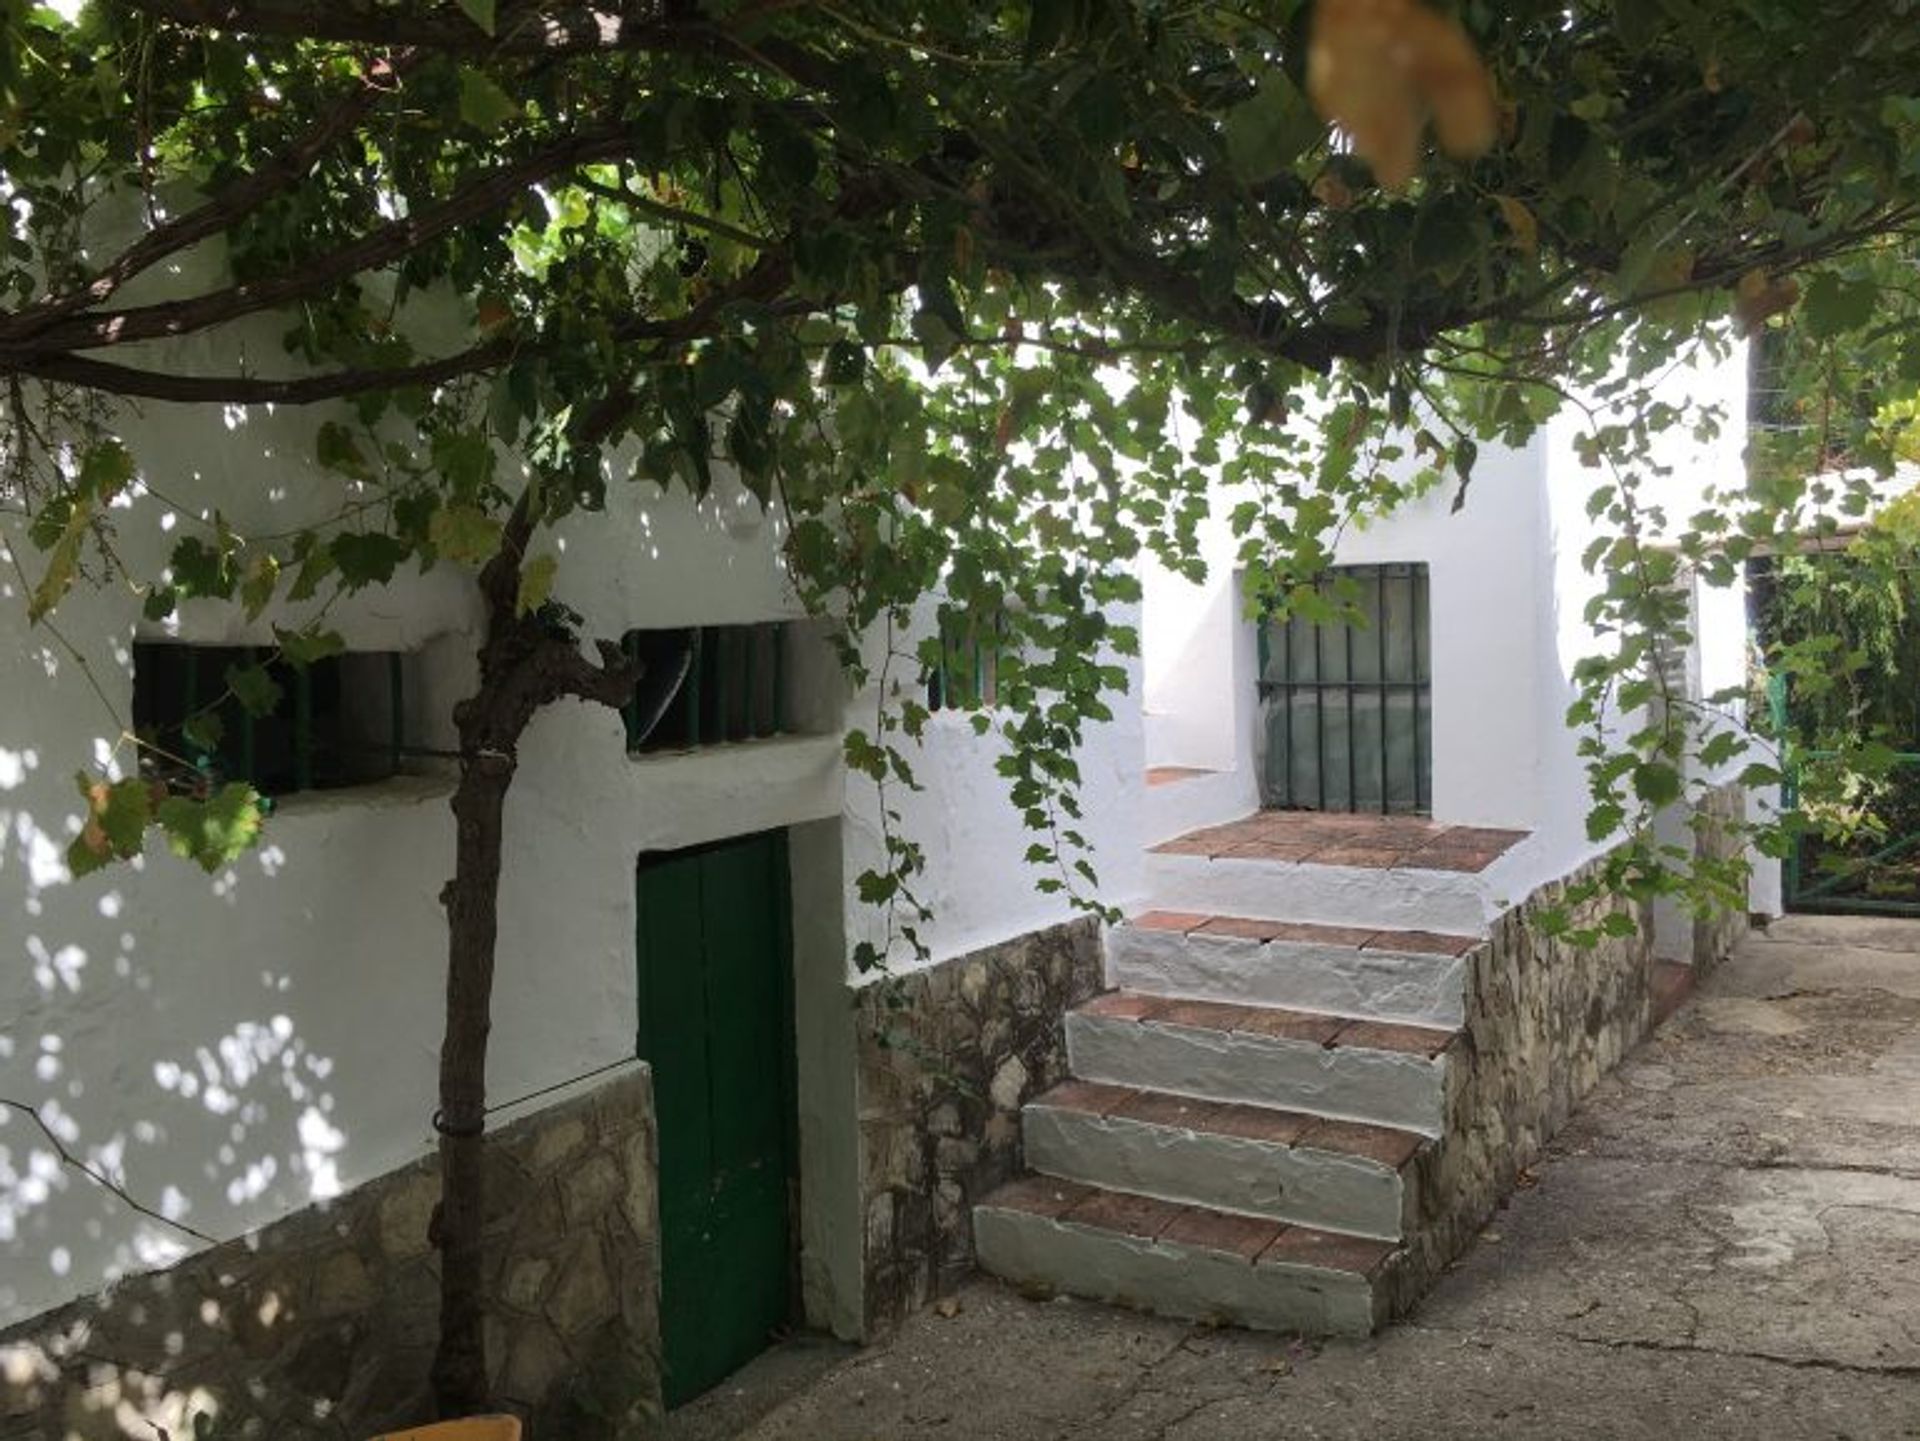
x=1183, y=1261
x=1252, y=1160
x=1416, y=976
x=1324, y=892
x=1341, y=1067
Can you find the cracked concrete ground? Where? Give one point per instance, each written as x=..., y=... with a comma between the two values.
x=1721, y=1244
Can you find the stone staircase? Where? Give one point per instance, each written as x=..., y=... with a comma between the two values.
x=1270, y=1123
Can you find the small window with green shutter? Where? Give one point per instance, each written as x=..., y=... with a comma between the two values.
x=241, y=713
x=708, y=685
x=967, y=673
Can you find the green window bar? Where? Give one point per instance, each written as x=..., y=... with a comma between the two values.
x=340, y=721
x=968, y=675
x=706, y=686
x=1347, y=707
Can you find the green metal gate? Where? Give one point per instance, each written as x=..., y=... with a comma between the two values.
x=716, y=1026
x=1346, y=708
x=1869, y=868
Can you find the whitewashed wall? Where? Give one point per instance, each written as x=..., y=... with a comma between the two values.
x=237, y=1045
x=977, y=884
x=1508, y=594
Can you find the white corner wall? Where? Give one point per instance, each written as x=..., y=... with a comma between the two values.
x=977, y=884
x=1489, y=597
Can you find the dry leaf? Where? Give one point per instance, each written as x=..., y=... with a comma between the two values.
x=1759, y=296
x=1526, y=230
x=1379, y=69
x=1333, y=192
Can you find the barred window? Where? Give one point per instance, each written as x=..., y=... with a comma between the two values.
x=708, y=685
x=336, y=722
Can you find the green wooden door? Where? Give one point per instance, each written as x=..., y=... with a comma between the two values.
x=715, y=1026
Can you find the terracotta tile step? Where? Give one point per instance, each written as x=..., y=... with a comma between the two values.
x=1373, y=842
x=1173, y=775
x=1258, y=1242
x=1312, y=1027
x=1253, y=928
x=1296, y=1130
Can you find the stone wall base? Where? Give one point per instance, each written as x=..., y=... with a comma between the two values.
x=947, y=1056
x=1545, y=1022
x=322, y=1325
x=1719, y=837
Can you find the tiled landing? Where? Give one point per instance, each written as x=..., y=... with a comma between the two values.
x=1365, y=841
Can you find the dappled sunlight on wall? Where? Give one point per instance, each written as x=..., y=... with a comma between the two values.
x=225, y=1048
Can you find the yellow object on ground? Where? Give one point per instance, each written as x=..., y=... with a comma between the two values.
x=473, y=1428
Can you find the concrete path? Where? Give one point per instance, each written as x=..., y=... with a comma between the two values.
x=1724, y=1243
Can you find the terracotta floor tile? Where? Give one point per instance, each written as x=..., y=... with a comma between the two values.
x=1185, y=846
x=1292, y=1025
x=1372, y=841
x=1040, y=1195
x=1242, y=1236
x=1422, y=943
x=1324, y=820
x=1355, y=1138
x=1181, y=921
x=1160, y=1108
x=1122, y=1005
x=1320, y=839
x=1259, y=1123
x=1406, y=832
x=1206, y=1015
x=1234, y=832
x=1241, y=928
x=1426, y=1041
x=1123, y=1212
x=1096, y=1098
x=1302, y=1246
x=1274, y=852
x=1450, y=858
x=1173, y=775
x=1489, y=836
x=1365, y=857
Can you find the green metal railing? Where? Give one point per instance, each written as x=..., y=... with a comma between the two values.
x=1828, y=875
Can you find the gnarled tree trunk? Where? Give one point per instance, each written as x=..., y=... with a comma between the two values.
x=524, y=664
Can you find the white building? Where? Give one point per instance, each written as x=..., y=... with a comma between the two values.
x=1340, y=997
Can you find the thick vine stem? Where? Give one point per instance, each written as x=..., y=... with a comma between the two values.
x=525, y=664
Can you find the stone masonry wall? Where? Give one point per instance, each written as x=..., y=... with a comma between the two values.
x=947, y=1057
x=1545, y=1021
x=1718, y=837
x=323, y=1324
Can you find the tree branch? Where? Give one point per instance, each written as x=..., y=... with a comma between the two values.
x=278, y=175
x=519, y=28
x=489, y=190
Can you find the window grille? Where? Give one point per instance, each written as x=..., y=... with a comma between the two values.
x=1347, y=708
x=968, y=674
x=337, y=722
x=707, y=685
